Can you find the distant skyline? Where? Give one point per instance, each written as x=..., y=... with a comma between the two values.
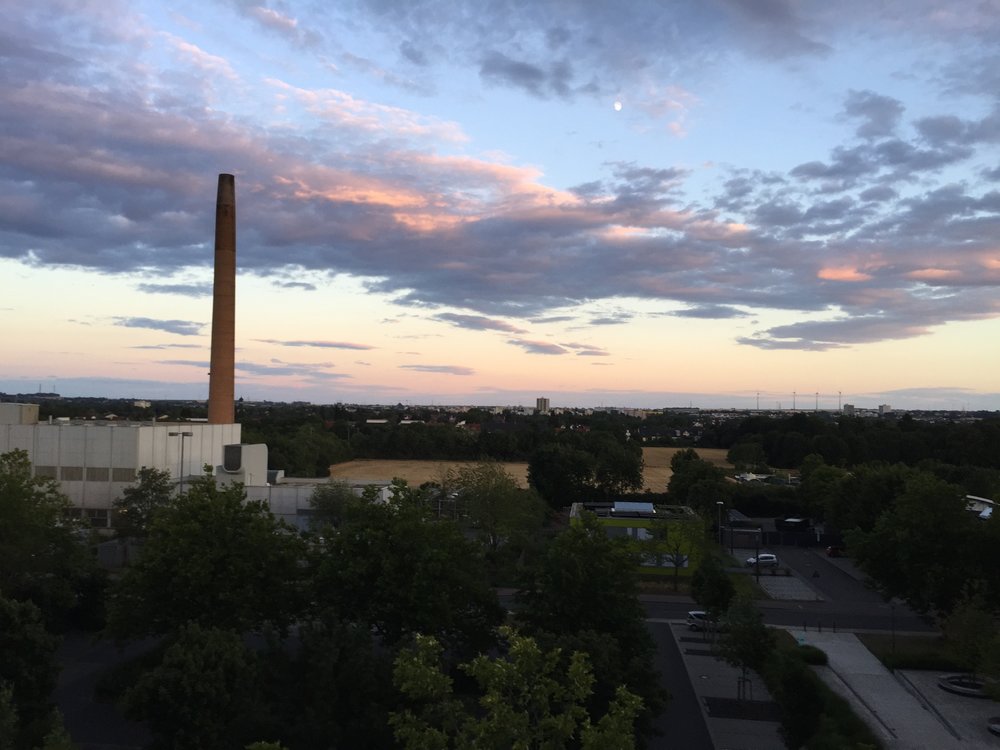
x=638, y=204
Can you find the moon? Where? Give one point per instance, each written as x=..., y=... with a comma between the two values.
x=618, y=105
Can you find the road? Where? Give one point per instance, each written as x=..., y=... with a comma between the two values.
x=682, y=723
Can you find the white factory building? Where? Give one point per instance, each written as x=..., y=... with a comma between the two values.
x=95, y=460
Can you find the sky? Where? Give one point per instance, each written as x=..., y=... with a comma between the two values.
x=729, y=203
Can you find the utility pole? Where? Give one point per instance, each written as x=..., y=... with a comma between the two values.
x=180, y=474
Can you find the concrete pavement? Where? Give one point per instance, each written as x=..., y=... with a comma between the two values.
x=751, y=724
x=907, y=710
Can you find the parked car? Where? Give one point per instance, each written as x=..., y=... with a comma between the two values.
x=764, y=560
x=698, y=620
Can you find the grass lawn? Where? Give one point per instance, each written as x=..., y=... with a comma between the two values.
x=910, y=651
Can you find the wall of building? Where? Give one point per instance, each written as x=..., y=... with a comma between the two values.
x=95, y=461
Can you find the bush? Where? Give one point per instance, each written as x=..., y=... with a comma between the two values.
x=911, y=652
x=812, y=716
x=812, y=655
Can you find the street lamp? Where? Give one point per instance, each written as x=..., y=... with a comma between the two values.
x=719, y=504
x=180, y=475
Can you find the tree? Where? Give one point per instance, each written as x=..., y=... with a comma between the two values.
x=28, y=672
x=582, y=595
x=674, y=542
x=695, y=482
x=43, y=558
x=333, y=690
x=561, y=474
x=915, y=549
x=745, y=643
x=152, y=490
x=617, y=464
x=504, y=517
x=748, y=455
x=711, y=586
x=199, y=692
x=402, y=572
x=332, y=503
x=214, y=559
x=526, y=699
x=968, y=630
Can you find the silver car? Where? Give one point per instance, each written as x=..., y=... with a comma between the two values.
x=764, y=560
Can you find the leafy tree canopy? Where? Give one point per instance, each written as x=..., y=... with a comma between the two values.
x=43, y=554
x=152, y=490
x=402, y=572
x=526, y=699
x=193, y=699
x=28, y=672
x=215, y=559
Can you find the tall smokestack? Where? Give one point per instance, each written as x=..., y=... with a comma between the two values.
x=221, y=390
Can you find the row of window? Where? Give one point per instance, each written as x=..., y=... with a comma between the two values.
x=98, y=517
x=92, y=473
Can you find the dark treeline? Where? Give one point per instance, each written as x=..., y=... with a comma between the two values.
x=849, y=441
x=305, y=439
x=378, y=627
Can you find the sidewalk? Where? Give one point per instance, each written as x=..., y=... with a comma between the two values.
x=900, y=714
x=734, y=725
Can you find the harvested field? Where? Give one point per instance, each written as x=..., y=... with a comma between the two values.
x=657, y=462
x=655, y=476
x=414, y=472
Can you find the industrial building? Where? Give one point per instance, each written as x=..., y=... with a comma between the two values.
x=94, y=460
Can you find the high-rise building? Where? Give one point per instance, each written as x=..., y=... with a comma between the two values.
x=542, y=405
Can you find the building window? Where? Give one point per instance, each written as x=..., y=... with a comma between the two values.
x=71, y=473
x=123, y=475
x=46, y=472
x=98, y=517
x=98, y=473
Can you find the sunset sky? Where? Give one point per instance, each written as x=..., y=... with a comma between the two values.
x=648, y=204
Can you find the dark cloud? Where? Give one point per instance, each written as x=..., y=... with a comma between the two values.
x=291, y=369
x=554, y=79
x=879, y=194
x=200, y=363
x=710, y=312
x=413, y=53
x=119, y=178
x=442, y=369
x=317, y=344
x=184, y=290
x=537, y=347
x=879, y=114
x=477, y=323
x=179, y=327
x=304, y=286
x=611, y=320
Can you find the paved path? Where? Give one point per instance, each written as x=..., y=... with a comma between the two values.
x=900, y=718
x=715, y=685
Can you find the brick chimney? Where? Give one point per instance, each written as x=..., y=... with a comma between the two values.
x=221, y=388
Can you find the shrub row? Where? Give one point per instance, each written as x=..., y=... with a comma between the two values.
x=812, y=716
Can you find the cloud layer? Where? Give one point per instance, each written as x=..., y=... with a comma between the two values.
x=112, y=129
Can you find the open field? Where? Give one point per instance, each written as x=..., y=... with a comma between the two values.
x=657, y=461
x=655, y=476
x=414, y=472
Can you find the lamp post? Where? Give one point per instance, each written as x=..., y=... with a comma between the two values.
x=719, y=504
x=180, y=474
